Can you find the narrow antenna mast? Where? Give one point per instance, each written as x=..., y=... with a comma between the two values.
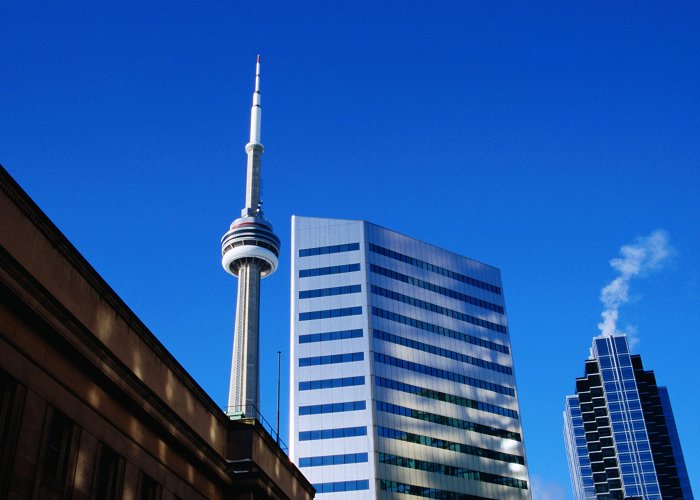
x=277, y=431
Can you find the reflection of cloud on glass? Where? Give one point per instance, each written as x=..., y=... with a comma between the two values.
x=508, y=445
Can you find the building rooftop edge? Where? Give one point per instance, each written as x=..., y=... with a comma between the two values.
x=38, y=217
x=443, y=249
x=259, y=428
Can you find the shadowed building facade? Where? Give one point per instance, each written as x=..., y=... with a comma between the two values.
x=402, y=381
x=620, y=434
x=91, y=403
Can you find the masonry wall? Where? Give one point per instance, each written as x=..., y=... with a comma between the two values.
x=91, y=404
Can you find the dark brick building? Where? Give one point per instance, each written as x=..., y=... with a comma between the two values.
x=91, y=403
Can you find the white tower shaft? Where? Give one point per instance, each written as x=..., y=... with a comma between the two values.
x=249, y=251
x=254, y=150
x=244, y=391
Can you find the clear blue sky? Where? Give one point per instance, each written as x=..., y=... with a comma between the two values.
x=536, y=137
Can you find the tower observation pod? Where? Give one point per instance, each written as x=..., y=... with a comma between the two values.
x=250, y=251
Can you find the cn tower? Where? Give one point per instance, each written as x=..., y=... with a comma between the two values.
x=250, y=251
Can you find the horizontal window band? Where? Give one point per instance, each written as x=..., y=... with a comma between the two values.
x=433, y=268
x=328, y=292
x=325, y=271
x=325, y=460
x=445, y=353
x=338, y=486
x=346, y=247
x=332, y=359
x=443, y=374
x=428, y=306
x=310, y=385
x=332, y=408
x=448, y=398
x=331, y=313
x=426, y=491
x=451, y=470
x=445, y=332
x=443, y=444
x=446, y=421
x=436, y=288
x=339, y=432
x=329, y=336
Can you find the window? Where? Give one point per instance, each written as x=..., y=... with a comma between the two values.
x=451, y=470
x=439, y=351
x=323, y=271
x=444, y=444
x=424, y=491
x=332, y=359
x=347, y=247
x=332, y=408
x=362, y=484
x=109, y=475
x=328, y=336
x=58, y=446
x=449, y=398
x=328, y=292
x=350, y=458
x=310, y=385
x=435, y=288
x=6, y=393
x=390, y=294
x=433, y=268
x=439, y=373
x=331, y=313
x=149, y=489
x=340, y=432
x=7, y=438
x=446, y=421
x=445, y=332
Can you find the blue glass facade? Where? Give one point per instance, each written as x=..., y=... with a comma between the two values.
x=431, y=407
x=675, y=444
x=615, y=429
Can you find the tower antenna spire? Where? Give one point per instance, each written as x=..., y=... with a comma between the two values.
x=250, y=251
x=256, y=109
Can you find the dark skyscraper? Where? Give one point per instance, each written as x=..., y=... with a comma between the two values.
x=620, y=433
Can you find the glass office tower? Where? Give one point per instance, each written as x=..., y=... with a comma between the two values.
x=621, y=438
x=402, y=373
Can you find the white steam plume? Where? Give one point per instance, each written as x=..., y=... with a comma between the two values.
x=645, y=254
